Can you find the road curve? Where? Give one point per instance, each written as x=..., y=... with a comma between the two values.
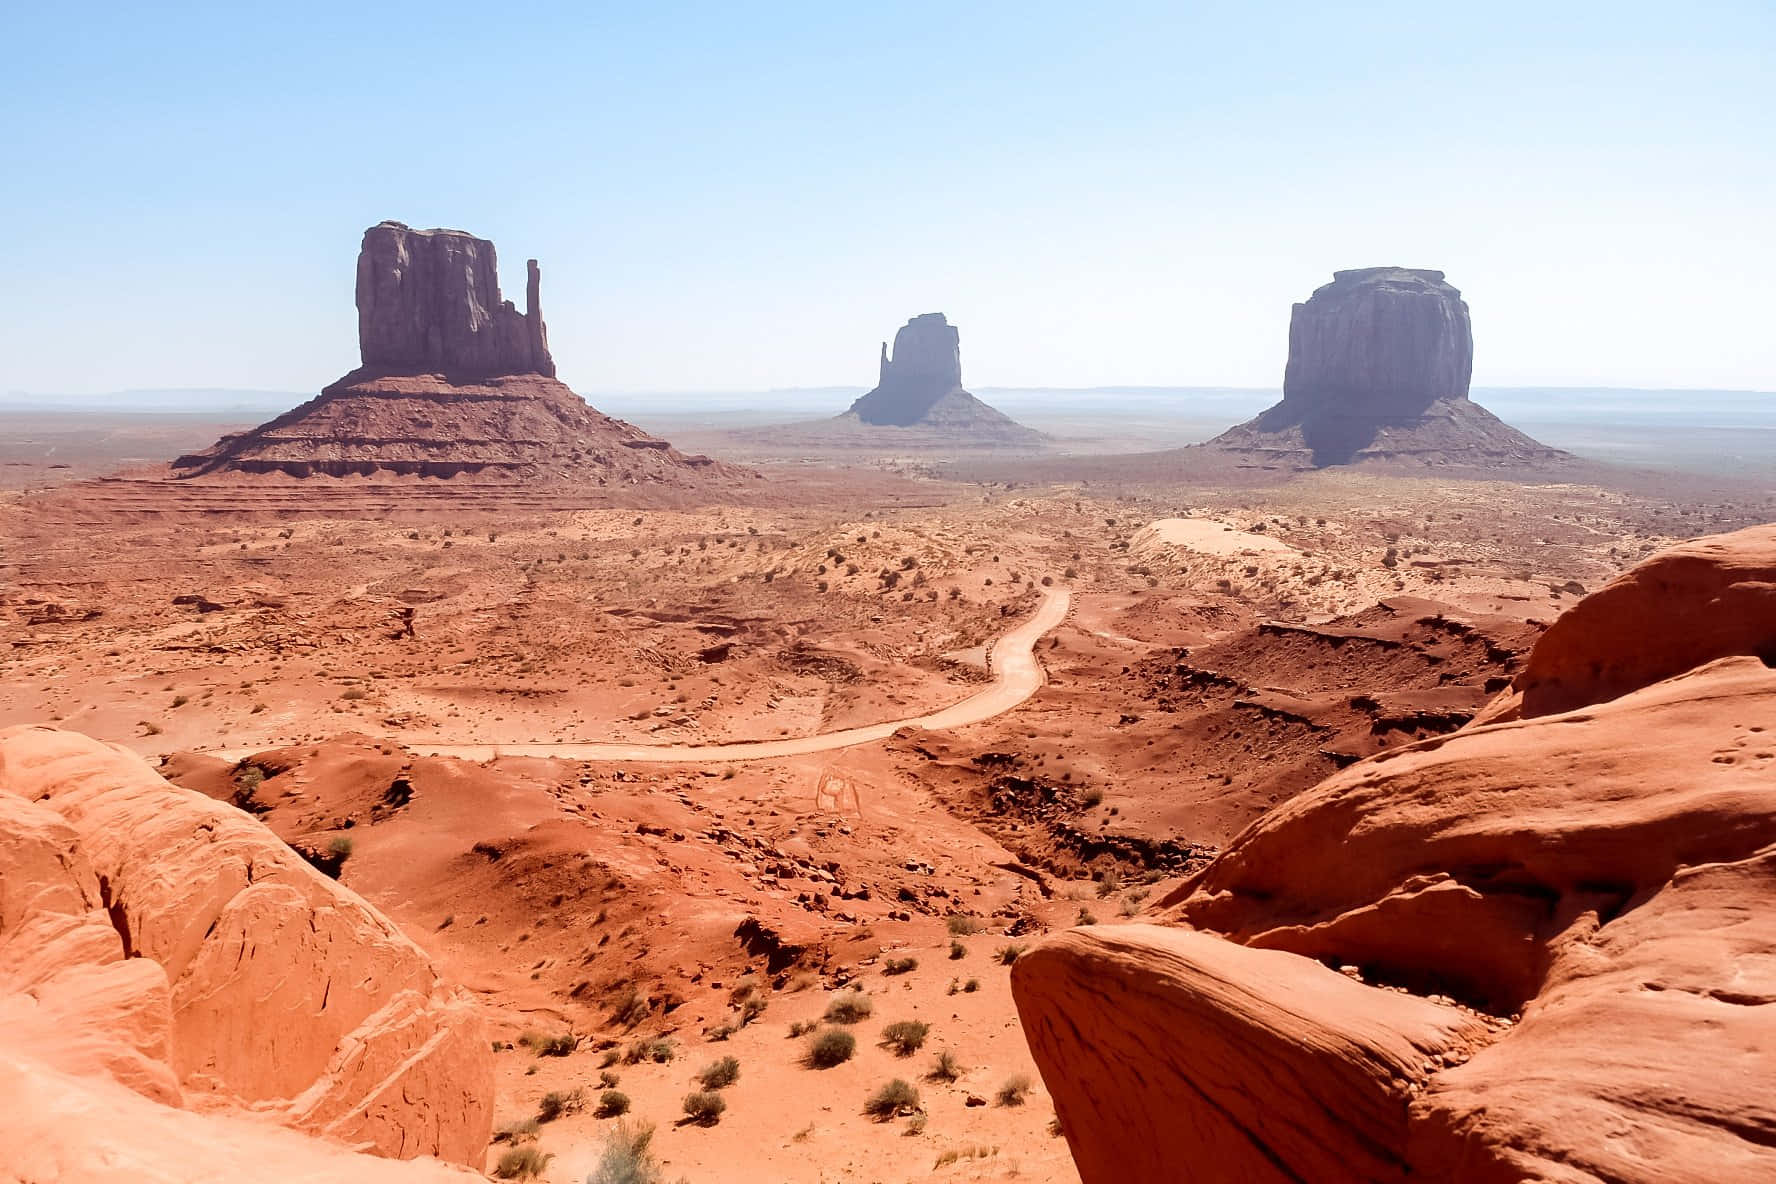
x=1016, y=676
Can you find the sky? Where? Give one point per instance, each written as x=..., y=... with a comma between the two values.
x=751, y=196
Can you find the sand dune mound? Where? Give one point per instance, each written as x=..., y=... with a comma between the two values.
x=1554, y=938
x=166, y=956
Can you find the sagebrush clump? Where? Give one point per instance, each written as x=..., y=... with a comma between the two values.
x=832, y=1047
x=897, y=1097
x=905, y=1037
x=849, y=1007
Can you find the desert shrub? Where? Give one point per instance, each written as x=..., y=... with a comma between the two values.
x=610, y=1057
x=522, y=1163
x=629, y=1008
x=607, y=1079
x=181, y=700
x=945, y=1067
x=516, y=1132
x=1086, y=917
x=659, y=1051
x=897, y=1097
x=802, y=1028
x=550, y=1046
x=971, y=986
x=1013, y=1092
x=961, y=925
x=626, y=1158
x=354, y=694
x=958, y=950
x=720, y=1074
x=752, y=1007
x=704, y=1107
x=900, y=966
x=557, y=1102
x=1091, y=797
x=905, y=1037
x=849, y=1007
x=612, y=1103
x=719, y=1033
x=340, y=848
x=1009, y=953
x=832, y=1047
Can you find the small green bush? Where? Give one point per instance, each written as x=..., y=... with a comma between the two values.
x=897, y=1097
x=612, y=1103
x=340, y=848
x=849, y=1008
x=962, y=925
x=905, y=1037
x=704, y=1107
x=958, y=950
x=720, y=1074
x=832, y=1047
x=1007, y=954
x=971, y=986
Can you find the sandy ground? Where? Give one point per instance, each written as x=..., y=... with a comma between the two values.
x=521, y=712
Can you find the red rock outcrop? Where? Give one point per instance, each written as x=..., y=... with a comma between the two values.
x=429, y=302
x=1705, y=599
x=1378, y=369
x=919, y=387
x=455, y=383
x=1558, y=939
x=154, y=939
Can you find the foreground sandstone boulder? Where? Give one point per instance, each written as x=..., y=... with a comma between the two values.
x=1705, y=599
x=1531, y=950
x=159, y=945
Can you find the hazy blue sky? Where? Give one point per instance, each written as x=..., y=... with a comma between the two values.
x=738, y=196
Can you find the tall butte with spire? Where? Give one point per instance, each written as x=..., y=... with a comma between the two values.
x=454, y=382
x=919, y=389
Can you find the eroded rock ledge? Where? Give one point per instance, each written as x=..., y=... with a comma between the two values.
x=1531, y=950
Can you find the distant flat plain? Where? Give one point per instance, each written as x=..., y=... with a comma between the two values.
x=1714, y=433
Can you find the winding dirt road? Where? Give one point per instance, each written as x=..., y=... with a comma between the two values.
x=1016, y=676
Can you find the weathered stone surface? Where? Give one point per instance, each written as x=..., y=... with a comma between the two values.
x=429, y=302
x=919, y=387
x=1705, y=599
x=204, y=956
x=1165, y=1048
x=1379, y=365
x=1607, y=874
x=1388, y=341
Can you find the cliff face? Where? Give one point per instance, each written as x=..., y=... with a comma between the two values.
x=429, y=302
x=1380, y=341
x=455, y=383
x=926, y=365
x=1554, y=940
x=1378, y=369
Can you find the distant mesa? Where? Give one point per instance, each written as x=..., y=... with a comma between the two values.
x=455, y=381
x=919, y=388
x=1379, y=365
